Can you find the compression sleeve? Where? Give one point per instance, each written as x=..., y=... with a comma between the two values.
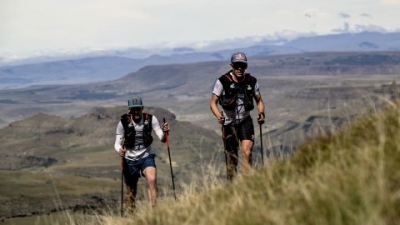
x=157, y=129
x=119, y=137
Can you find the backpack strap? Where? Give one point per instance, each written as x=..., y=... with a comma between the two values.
x=250, y=79
x=147, y=121
x=147, y=129
x=226, y=79
x=125, y=121
x=129, y=132
x=249, y=94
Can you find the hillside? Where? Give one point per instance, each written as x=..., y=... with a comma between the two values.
x=293, y=87
x=73, y=161
x=53, y=163
x=348, y=177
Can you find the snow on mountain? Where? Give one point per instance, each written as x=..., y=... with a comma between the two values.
x=69, y=66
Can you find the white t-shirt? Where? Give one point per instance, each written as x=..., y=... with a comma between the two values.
x=139, y=151
x=239, y=113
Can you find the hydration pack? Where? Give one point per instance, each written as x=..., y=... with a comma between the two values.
x=232, y=90
x=130, y=132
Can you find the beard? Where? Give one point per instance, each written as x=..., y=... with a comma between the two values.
x=136, y=116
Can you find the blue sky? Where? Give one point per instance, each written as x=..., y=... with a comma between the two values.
x=29, y=26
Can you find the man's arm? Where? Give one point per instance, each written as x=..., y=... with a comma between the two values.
x=160, y=134
x=118, y=142
x=260, y=108
x=260, y=103
x=215, y=110
x=160, y=131
x=119, y=139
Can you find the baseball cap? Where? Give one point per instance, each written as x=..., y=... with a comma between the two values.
x=239, y=57
x=135, y=102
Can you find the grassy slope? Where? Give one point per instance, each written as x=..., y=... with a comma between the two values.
x=351, y=177
x=86, y=164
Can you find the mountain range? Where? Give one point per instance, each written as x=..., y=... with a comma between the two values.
x=113, y=64
x=293, y=86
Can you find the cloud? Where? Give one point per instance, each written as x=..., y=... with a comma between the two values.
x=56, y=24
x=391, y=2
x=344, y=29
x=315, y=13
x=369, y=28
x=366, y=15
x=308, y=15
x=344, y=15
x=357, y=28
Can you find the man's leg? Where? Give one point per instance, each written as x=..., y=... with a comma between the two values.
x=131, y=177
x=231, y=158
x=231, y=152
x=131, y=191
x=151, y=176
x=247, y=146
x=150, y=172
x=246, y=135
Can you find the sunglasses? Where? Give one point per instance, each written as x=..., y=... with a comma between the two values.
x=238, y=66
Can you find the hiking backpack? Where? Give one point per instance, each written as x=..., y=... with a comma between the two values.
x=232, y=89
x=130, y=132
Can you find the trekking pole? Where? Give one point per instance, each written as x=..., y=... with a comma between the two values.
x=170, y=163
x=262, y=151
x=122, y=186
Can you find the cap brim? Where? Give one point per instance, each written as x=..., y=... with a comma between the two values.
x=239, y=61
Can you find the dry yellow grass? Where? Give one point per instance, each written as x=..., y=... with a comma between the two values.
x=350, y=177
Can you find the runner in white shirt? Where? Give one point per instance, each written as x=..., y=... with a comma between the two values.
x=235, y=91
x=133, y=143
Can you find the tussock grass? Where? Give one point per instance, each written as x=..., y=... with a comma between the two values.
x=351, y=176
x=348, y=177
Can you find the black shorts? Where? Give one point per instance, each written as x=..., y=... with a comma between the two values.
x=239, y=132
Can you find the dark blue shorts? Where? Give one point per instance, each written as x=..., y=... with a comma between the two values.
x=133, y=170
